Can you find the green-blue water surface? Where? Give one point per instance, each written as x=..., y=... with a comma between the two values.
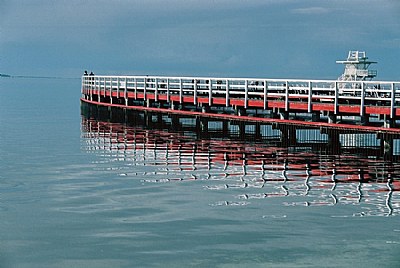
x=81, y=193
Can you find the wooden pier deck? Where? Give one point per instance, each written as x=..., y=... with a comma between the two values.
x=360, y=105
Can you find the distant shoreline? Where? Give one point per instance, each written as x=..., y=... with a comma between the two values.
x=36, y=77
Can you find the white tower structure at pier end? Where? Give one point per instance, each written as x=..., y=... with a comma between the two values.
x=356, y=67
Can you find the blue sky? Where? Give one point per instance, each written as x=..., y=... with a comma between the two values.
x=232, y=38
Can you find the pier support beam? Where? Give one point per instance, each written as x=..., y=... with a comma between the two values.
x=131, y=117
x=148, y=119
x=225, y=128
x=109, y=114
x=288, y=135
x=201, y=125
x=257, y=130
x=333, y=141
x=204, y=124
x=242, y=129
x=175, y=122
x=125, y=115
x=333, y=145
x=386, y=146
x=159, y=119
x=197, y=124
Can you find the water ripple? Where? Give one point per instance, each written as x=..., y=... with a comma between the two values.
x=247, y=170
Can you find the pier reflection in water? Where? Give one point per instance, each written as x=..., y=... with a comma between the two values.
x=252, y=168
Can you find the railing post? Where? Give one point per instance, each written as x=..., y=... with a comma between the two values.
x=227, y=93
x=336, y=102
x=97, y=84
x=126, y=91
x=90, y=83
x=111, y=84
x=180, y=90
x=99, y=89
x=246, y=93
x=85, y=87
x=210, y=93
x=104, y=86
x=167, y=89
x=392, y=101
x=91, y=93
x=309, y=101
x=362, y=100
x=287, y=97
x=135, y=81
x=118, y=85
x=195, y=91
x=155, y=89
x=265, y=94
x=145, y=88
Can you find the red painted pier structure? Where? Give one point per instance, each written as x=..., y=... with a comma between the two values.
x=353, y=101
x=343, y=104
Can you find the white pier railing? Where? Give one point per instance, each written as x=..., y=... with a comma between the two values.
x=362, y=93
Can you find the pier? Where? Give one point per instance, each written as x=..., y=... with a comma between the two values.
x=353, y=99
x=353, y=102
x=366, y=103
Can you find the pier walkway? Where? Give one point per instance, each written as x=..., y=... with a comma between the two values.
x=355, y=104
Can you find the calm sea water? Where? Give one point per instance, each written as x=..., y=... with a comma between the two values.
x=79, y=192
